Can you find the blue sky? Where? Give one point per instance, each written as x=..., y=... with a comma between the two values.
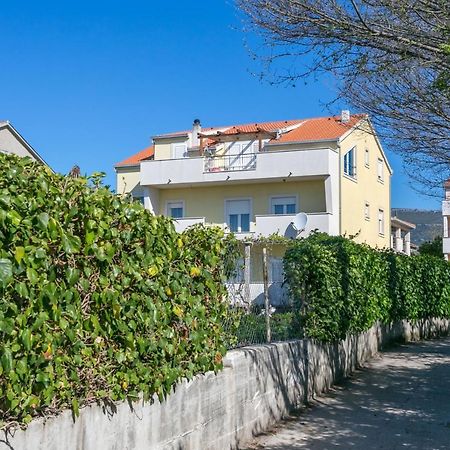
x=89, y=83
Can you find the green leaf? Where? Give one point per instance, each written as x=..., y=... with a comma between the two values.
x=6, y=359
x=71, y=244
x=43, y=219
x=26, y=339
x=75, y=407
x=19, y=253
x=32, y=275
x=6, y=271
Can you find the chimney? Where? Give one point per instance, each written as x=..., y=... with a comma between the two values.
x=196, y=129
x=345, y=116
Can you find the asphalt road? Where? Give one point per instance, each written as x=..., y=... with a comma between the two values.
x=400, y=400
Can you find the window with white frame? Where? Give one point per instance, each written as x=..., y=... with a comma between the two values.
x=238, y=215
x=381, y=221
x=283, y=205
x=179, y=151
x=175, y=210
x=380, y=170
x=276, y=272
x=350, y=163
x=367, y=211
x=366, y=157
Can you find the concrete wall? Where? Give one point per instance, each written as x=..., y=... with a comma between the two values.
x=256, y=388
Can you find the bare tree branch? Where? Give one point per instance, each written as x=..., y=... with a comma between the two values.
x=392, y=60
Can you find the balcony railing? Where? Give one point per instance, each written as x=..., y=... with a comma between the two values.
x=230, y=163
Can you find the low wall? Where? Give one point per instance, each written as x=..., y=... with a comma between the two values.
x=256, y=388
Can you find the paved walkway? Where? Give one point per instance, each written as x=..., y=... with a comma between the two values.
x=401, y=400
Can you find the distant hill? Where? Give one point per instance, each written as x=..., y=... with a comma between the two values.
x=428, y=223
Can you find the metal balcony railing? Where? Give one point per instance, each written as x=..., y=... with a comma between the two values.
x=230, y=163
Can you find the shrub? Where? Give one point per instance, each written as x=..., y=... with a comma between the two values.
x=342, y=287
x=100, y=299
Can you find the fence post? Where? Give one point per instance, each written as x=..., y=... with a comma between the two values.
x=266, y=295
x=248, y=300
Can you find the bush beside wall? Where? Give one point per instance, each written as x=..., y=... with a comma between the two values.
x=100, y=300
x=343, y=288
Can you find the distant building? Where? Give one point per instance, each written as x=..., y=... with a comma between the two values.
x=11, y=141
x=401, y=235
x=446, y=216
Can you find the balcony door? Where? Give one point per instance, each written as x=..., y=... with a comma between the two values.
x=238, y=215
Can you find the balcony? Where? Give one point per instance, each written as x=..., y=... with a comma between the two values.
x=265, y=225
x=265, y=166
x=230, y=163
x=186, y=222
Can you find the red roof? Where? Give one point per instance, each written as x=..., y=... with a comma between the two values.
x=320, y=129
x=300, y=130
x=147, y=153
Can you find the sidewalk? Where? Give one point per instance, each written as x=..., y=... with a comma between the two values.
x=400, y=400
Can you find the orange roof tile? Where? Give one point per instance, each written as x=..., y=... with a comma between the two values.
x=320, y=129
x=138, y=157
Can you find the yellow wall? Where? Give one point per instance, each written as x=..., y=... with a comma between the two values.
x=365, y=188
x=127, y=181
x=163, y=147
x=209, y=201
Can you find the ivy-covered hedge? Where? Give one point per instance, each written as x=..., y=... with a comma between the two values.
x=100, y=300
x=342, y=287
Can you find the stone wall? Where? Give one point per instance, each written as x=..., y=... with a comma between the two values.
x=256, y=388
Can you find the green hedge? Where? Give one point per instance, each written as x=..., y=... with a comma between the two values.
x=100, y=300
x=343, y=288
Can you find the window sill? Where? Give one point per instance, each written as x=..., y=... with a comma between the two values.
x=349, y=177
x=367, y=219
x=381, y=235
x=367, y=166
x=380, y=181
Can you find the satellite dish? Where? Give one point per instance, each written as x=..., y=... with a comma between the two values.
x=299, y=222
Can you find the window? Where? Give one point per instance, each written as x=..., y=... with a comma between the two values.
x=238, y=215
x=179, y=151
x=350, y=163
x=381, y=221
x=276, y=272
x=380, y=171
x=283, y=205
x=366, y=157
x=367, y=211
x=175, y=210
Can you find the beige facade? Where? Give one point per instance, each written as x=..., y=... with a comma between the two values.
x=365, y=196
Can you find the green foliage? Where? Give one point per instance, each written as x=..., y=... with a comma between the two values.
x=433, y=248
x=343, y=288
x=100, y=300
